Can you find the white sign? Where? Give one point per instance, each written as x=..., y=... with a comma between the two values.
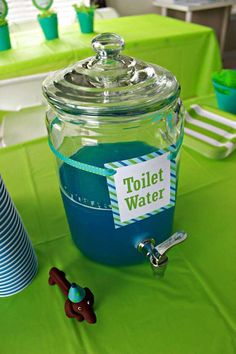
x=43, y=4
x=141, y=187
x=3, y=9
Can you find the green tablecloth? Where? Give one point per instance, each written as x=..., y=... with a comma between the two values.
x=189, y=311
x=190, y=51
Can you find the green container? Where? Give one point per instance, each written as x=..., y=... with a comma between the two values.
x=86, y=20
x=49, y=26
x=5, y=42
x=224, y=83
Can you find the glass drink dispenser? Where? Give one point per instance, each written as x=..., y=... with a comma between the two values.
x=115, y=125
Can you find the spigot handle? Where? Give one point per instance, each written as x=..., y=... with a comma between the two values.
x=157, y=254
x=173, y=240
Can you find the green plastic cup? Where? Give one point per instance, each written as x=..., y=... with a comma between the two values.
x=49, y=26
x=86, y=21
x=224, y=82
x=5, y=42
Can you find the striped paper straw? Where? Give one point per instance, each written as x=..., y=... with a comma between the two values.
x=18, y=262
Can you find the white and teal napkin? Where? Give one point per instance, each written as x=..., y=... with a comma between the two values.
x=210, y=131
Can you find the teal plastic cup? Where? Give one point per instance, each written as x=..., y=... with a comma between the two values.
x=226, y=97
x=86, y=21
x=49, y=26
x=5, y=42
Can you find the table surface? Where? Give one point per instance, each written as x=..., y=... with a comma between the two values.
x=193, y=6
x=188, y=50
x=191, y=310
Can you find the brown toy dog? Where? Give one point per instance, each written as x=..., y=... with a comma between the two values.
x=79, y=303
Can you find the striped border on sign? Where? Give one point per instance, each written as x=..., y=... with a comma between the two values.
x=112, y=188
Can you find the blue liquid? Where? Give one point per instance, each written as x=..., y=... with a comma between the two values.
x=86, y=201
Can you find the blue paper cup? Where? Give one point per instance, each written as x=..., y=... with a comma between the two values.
x=18, y=262
x=49, y=26
x=5, y=42
x=86, y=21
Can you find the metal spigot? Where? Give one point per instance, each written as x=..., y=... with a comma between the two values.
x=157, y=253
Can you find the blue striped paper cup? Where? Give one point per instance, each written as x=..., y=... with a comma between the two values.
x=18, y=262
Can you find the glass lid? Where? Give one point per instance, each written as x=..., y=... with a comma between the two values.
x=110, y=84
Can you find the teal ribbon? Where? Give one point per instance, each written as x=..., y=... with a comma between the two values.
x=178, y=146
x=105, y=172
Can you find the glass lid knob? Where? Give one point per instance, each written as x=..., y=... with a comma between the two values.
x=108, y=45
x=111, y=83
